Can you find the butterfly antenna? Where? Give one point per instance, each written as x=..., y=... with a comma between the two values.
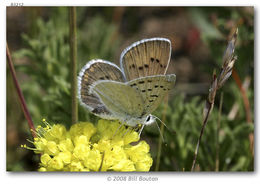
x=159, y=130
x=164, y=124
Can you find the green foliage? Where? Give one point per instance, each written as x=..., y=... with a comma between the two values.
x=98, y=40
x=47, y=89
x=185, y=118
x=237, y=17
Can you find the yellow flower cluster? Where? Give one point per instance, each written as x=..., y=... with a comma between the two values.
x=88, y=148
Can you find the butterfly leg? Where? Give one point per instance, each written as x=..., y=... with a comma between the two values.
x=126, y=131
x=121, y=124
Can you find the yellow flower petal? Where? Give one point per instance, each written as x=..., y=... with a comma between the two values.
x=65, y=157
x=93, y=160
x=85, y=147
x=45, y=158
x=56, y=163
x=51, y=148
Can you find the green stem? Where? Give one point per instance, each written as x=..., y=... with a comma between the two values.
x=209, y=106
x=73, y=61
x=217, y=135
x=20, y=94
x=201, y=134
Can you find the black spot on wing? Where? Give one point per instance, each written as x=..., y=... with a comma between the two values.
x=132, y=85
x=154, y=59
x=100, y=110
x=140, y=68
x=131, y=66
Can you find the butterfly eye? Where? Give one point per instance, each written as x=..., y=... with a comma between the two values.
x=148, y=118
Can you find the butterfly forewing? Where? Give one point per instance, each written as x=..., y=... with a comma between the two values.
x=146, y=58
x=153, y=89
x=121, y=99
x=131, y=93
x=92, y=72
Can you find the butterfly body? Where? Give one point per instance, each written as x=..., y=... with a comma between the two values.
x=130, y=93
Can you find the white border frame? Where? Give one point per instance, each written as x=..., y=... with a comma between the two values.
x=165, y=178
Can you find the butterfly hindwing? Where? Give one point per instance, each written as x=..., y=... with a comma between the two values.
x=153, y=89
x=93, y=71
x=119, y=98
x=146, y=58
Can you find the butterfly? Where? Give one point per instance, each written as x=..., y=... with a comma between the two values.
x=131, y=92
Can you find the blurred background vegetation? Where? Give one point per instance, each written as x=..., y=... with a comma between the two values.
x=39, y=41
